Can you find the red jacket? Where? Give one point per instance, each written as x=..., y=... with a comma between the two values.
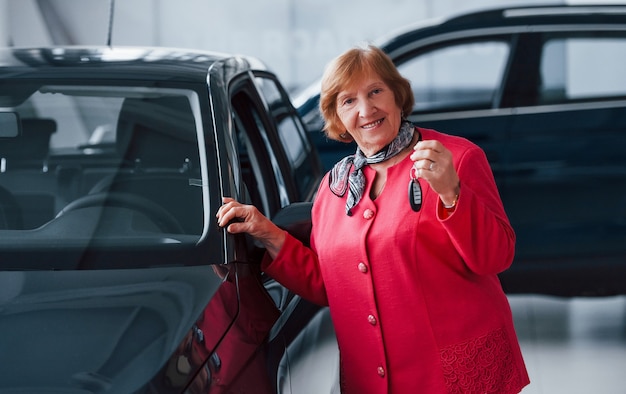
x=415, y=299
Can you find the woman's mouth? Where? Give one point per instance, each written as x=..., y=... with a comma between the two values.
x=373, y=124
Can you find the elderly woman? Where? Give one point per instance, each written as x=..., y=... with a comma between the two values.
x=408, y=237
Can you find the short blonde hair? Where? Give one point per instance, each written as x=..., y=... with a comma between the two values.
x=348, y=67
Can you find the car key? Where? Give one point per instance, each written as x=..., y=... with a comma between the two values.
x=415, y=191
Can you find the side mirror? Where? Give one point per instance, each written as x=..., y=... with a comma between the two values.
x=296, y=219
x=9, y=125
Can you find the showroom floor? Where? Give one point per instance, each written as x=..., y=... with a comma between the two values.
x=572, y=346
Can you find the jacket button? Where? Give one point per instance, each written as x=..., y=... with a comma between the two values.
x=368, y=214
x=372, y=320
x=381, y=372
x=363, y=268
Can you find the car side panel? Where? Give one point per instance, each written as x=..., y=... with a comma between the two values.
x=565, y=188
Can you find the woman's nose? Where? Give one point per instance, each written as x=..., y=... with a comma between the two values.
x=367, y=108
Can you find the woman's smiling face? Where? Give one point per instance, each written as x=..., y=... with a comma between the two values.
x=368, y=110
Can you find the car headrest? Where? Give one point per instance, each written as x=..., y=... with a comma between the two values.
x=32, y=146
x=157, y=132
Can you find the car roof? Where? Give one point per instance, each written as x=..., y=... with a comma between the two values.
x=125, y=62
x=602, y=14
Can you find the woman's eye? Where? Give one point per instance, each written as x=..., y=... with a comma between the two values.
x=348, y=101
x=376, y=91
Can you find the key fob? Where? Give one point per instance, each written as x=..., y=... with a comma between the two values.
x=415, y=194
x=415, y=189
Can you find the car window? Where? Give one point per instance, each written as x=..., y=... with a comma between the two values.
x=292, y=134
x=129, y=154
x=460, y=76
x=582, y=68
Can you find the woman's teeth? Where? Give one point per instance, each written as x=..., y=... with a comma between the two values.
x=373, y=124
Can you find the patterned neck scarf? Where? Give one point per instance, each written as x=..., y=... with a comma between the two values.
x=341, y=180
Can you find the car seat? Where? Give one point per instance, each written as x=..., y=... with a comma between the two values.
x=157, y=141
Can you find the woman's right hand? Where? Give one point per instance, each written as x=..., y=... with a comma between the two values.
x=241, y=218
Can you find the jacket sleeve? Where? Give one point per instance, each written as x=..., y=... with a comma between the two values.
x=479, y=227
x=297, y=268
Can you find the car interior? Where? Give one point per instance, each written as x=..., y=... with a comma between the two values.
x=113, y=163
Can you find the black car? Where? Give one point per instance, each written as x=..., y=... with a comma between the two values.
x=542, y=90
x=114, y=276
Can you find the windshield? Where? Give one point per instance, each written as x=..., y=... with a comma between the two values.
x=109, y=165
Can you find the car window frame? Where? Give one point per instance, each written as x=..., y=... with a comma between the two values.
x=308, y=154
x=272, y=181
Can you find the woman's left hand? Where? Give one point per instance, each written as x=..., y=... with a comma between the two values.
x=433, y=163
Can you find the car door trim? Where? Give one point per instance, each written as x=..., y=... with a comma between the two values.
x=535, y=109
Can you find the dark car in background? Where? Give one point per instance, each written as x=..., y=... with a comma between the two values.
x=543, y=91
x=114, y=276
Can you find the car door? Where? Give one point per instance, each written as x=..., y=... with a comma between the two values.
x=247, y=357
x=565, y=175
x=235, y=354
x=301, y=322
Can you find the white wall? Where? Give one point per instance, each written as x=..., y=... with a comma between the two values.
x=4, y=22
x=296, y=38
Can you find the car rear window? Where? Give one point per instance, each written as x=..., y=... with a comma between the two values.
x=583, y=68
